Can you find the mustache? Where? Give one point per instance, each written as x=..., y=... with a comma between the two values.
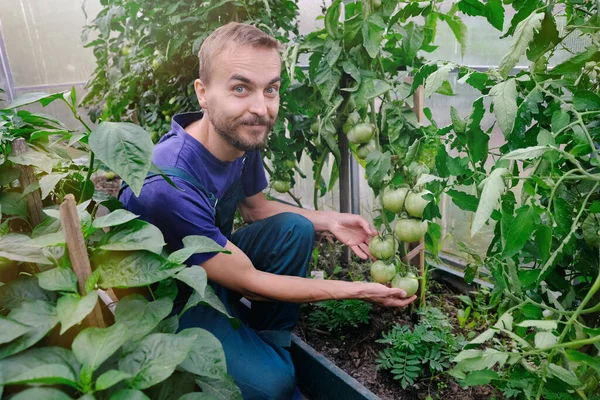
x=256, y=121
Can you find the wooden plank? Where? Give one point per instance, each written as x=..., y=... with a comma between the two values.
x=78, y=254
x=26, y=178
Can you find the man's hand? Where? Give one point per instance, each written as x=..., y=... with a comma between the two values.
x=354, y=231
x=385, y=296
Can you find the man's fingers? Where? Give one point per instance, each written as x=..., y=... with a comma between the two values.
x=365, y=248
x=359, y=252
x=402, y=302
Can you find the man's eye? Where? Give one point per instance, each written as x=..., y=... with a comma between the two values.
x=272, y=90
x=239, y=89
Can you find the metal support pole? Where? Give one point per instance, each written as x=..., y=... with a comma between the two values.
x=354, y=186
x=345, y=201
x=6, y=77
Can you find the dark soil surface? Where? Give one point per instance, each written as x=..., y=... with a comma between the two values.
x=107, y=186
x=355, y=350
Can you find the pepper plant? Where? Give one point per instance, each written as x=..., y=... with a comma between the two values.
x=141, y=355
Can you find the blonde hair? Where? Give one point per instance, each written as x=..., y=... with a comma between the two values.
x=231, y=33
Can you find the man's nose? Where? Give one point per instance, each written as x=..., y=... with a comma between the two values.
x=259, y=105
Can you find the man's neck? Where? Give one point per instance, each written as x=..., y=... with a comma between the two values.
x=203, y=131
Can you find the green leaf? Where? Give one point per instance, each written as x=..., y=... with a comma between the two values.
x=476, y=360
x=72, y=309
x=412, y=40
x=494, y=12
x=504, y=96
x=129, y=394
x=521, y=39
x=206, y=357
x=544, y=339
x=141, y=316
x=34, y=158
x=222, y=388
x=116, y=217
x=473, y=8
x=41, y=393
x=135, y=235
x=154, y=358
x=563, y=374
x=38, y=315
x=477, y=140
x=543, y=239
x=458, y=123
x=12, y=203
x=29, y=98
x=539, y=324
x=49, y=240
x=528, y=153
x=10, y=330
x=560, y=119
x=493, y=187
x=132, y=269
x=17, y=247
x=547, y=38
x=126, y=149
x=585, y=100
x=22, y=290
x=50, y=365
x=110, y=378
x=484, y=336
x=58, y=279
x=578, y=356
x=93, y=346
x=327, y=80
x=479, y=378
x=436, y=79
x=332, y=19
x=195, y=244
x=521, y=230
x=460, y=31
x=378, y=166
x=464, y=201
x=194, y=276
x=574, y=64
x=209, y=298
x=197, y=396
x=372, y=31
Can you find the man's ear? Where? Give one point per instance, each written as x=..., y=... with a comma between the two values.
x=200, y=89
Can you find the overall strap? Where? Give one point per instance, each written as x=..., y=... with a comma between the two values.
x=180, y=173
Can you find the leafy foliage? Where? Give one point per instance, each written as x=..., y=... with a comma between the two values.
x=334, y=315
x=426, y=348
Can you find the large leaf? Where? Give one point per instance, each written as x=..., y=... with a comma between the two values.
x=206, y=357
x=522, y=37
x=48, y=182
x=197, y=396
x=210, y=299
x=13, y=204
x=563, y=374
x=464, y=201
x=34, y=97
x=372, y=31
x=155, y=357
x=176, y=386
x=42, y=365
x=135, y=235
x=132, y=269
x=141, y=316
x=94, y=345
x=194, y=276
x=195, y=244
x=10, y=330
x=16, y=292
x=493, y=187
x=494, y=12
x=18, y=247
x=110, y=378
x=72, y=309
x=477, y=140
x=116, y=217
x=33, y=158
x=528, y=153
x=40, y=316
x=504, y=96
x=378, y=166
x=126, y=149
x=544, y=339
x=520, y=231
x=41, y=393
x=585, y=100
x=58, y=279
x=476, y=360
x=332, y=19
x=460, y=31
x=473, y=8
x=222, y=388
x=577, y=62
x=435, y=80
x=412, y=40
x=129, y=394
x=479, y=378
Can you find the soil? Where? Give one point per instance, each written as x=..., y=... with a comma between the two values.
x=355, y=350
x=107, y=186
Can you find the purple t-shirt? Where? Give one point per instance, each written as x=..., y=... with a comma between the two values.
x=182, y=213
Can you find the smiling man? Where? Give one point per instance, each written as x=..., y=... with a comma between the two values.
x=214, y=156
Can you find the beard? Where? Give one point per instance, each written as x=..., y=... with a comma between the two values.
x=258, y=128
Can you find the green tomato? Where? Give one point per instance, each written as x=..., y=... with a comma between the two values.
x=281, y=186
x=125, y=50
x=415, y=203
x=382, y=272
x=155, y=63
x=110, y=175
x=365, y=149
x=408, y=283
x=383, y=247
x=168, y=118
x=289, y=163
x=410, y=229
x=361, y=133
x=351, y=121
x=393, y=200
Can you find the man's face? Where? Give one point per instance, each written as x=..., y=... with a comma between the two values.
x=242, y=98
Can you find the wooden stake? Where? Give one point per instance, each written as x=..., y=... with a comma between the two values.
x=26, y=178
x=78, y=253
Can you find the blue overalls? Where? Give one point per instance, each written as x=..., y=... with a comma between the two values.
x=255, y=353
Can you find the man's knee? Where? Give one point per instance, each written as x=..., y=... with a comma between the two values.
x=271, y=382
x=296, y=227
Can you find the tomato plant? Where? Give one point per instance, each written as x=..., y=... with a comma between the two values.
x=382, y=271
